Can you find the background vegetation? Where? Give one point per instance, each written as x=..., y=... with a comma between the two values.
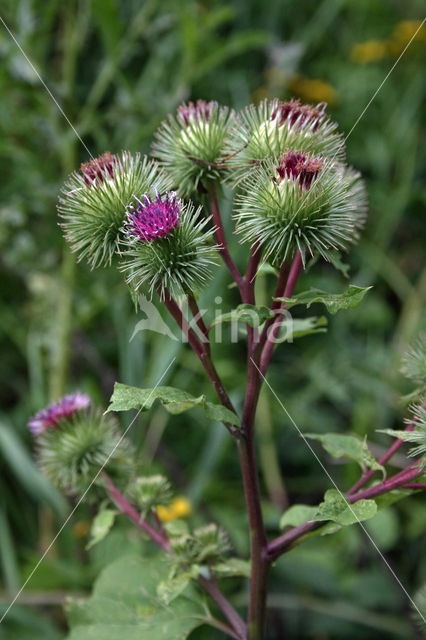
x=117, y=68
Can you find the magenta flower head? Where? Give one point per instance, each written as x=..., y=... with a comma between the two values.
x=299, y=166
x=200, y=111
x=94, y=200
x=297, y=114
x=95, y=171
x=265, y=132
x=153, y=219
x=303, y=203
x=190, y=145
x=169, y=248
x=57, y=411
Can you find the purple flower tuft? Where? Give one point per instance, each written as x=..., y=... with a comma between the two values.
x=94, y=171
x=64, y=408
x=300, y=114
x=299, y=165
x=199, y=111
x=153, y=219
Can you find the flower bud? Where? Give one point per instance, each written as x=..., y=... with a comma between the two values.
x=57, y=411
x=167, y=246
x=190, y=145
x=94, y=200
x=73, y=446
x=146, y=492
x=267, y=131
x=305, y=203
x=214, y=543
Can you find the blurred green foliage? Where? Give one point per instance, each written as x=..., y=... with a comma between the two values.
x=117, y=69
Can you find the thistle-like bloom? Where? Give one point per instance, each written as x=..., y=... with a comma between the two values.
x=57, y=411
x=299, y=166
x=149, y=492
x=191, y=112
x=94, y=201
x=98, y=169
x=153, y=219
x=84, y=442
x=306, y=203
x=267, y=131
x=190, y=145
x=167, y=246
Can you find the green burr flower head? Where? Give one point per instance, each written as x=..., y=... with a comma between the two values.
x=267, y=131
x=94, y=200
x=168, y=247
x=305, y=203
x=146, y=492
x=73, y=451
x=190, y=145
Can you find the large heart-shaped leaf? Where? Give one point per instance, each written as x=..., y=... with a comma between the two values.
x=174, y=400
x=125, y=605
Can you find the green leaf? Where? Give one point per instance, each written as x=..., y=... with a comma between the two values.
x=125, y=604
x=292, y=328
x=17, y=458
x=334, y=302
x=102, y=524
x=336, y=508
x=233, y=567
x=297, y=514
x=174, y=401
x=169, y=589
x=248, y=313
x=348, y=446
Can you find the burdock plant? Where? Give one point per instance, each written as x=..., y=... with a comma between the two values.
x=296, y=202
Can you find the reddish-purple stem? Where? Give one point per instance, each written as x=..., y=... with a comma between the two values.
x=414, y=485
x=233, y=617
x=202, y=354
x=385, y=457
x=161, y=540
x=221, y=239
x=126, y=508
x=248, y=291
x=196, y=313
x=396, y=481
x=274, y=329
x=284, y=542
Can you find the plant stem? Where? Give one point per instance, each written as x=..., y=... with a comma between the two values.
x=258, y=541
x=279, y=293
x=196, y=313
x=270, y=341
x=160, y=539
x=284, y=542
x=204, y=358
x=126, y=508
x=395, y=482
x=385, y=457
x=414, y=485
x=232, y=616
x=248, y=293
x=221, y=239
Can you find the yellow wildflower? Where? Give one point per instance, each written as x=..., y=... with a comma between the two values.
x=408, y=29
x=81, y=528
x=313, y=90
x=402, y=34
x=369, y=51
x=180, y=507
